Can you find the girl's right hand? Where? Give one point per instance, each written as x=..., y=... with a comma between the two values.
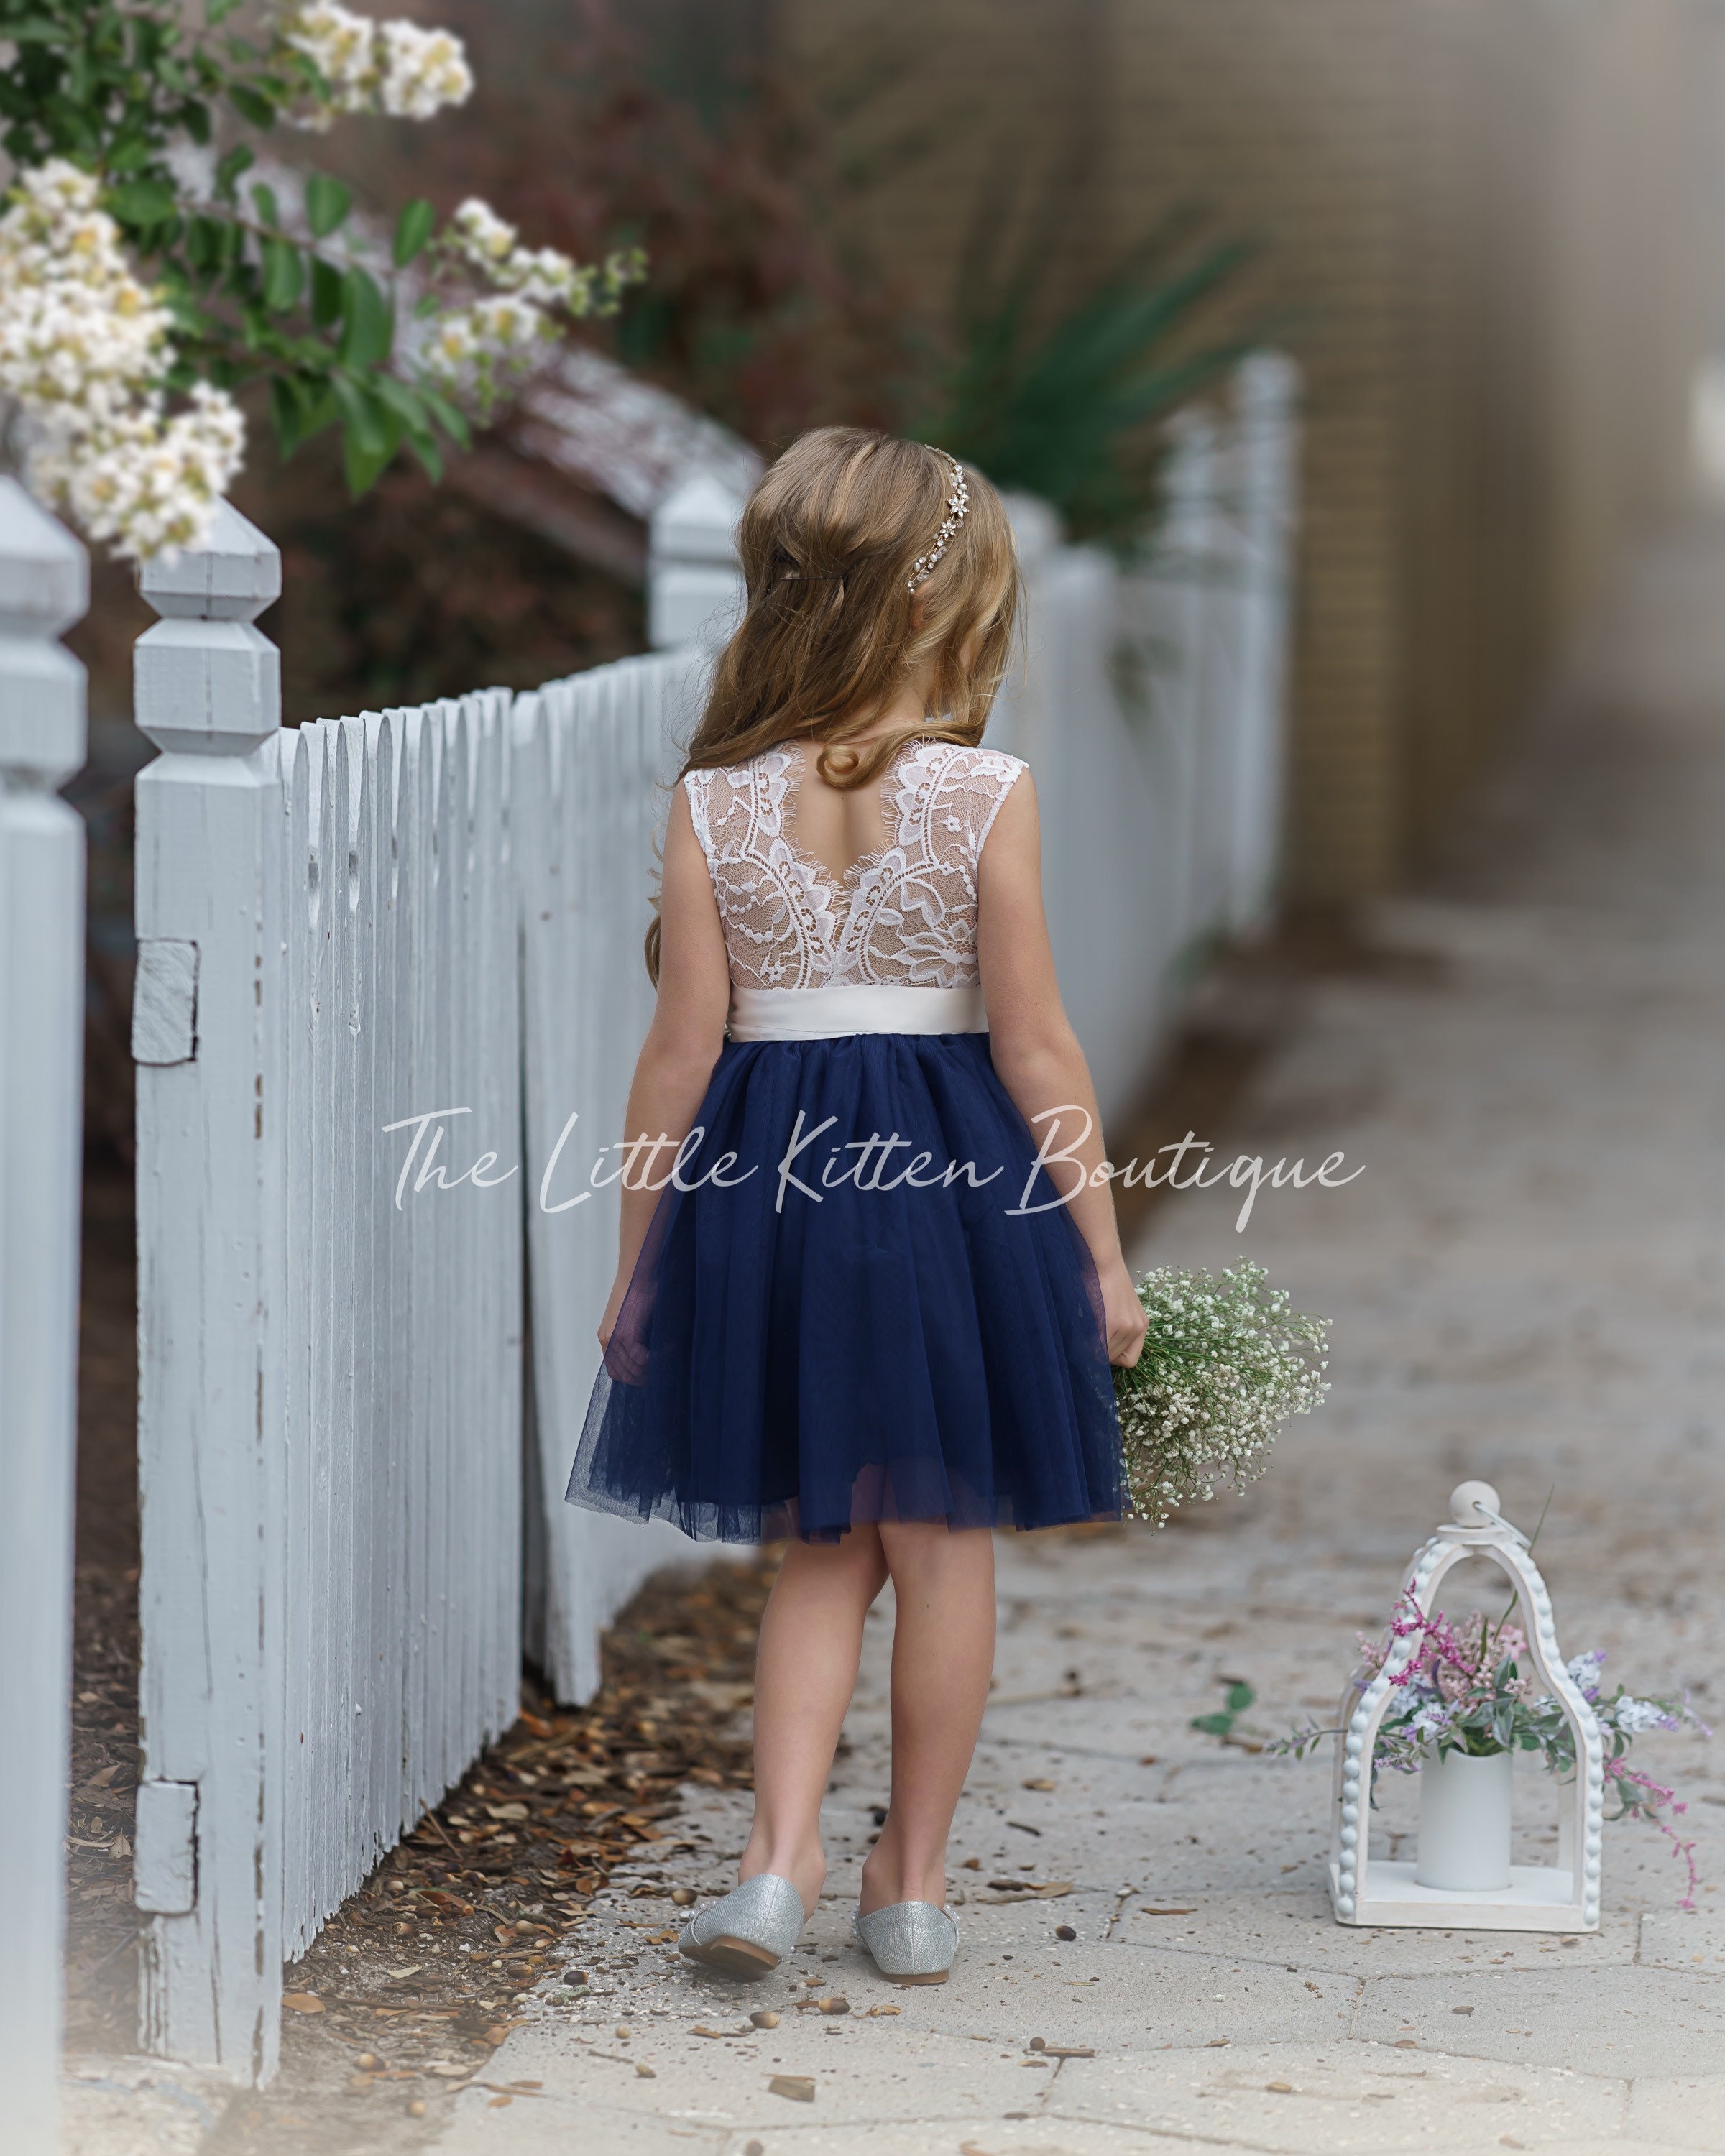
x=1123, y=1315
x=613, y=1303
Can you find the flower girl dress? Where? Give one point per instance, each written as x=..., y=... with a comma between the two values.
x=878, y=1310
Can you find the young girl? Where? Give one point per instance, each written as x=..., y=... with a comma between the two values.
x=849, y=1307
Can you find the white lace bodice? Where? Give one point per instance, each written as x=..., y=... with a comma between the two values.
x=905, y=913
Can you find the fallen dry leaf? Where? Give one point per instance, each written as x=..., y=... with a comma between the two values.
x=1039, y=1783
x=874, y=2012
x=799, y=2087
x=302, y=2002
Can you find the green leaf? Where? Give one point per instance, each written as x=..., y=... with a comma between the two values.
x=406, y=403
x=35, y=30
x=367, y=324
x=251, y=104
x=194, y=118
x=287, y=413
x=368, y=421
x=449, y=417
x=1213, y=1724
x=425, y=447
x=142, y=203
x=129, y=152
x=263, y=201
x=327, y=201
x=325, y=293
x=413, y=229
x=283, y=275
x=1240, y=1697
x=239, y=159
x=217, y=12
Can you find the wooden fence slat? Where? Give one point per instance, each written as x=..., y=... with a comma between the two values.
x=44, y=588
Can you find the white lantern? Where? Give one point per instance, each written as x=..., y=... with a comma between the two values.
x=1464, y=1815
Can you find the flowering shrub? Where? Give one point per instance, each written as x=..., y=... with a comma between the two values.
x=1469, y=1687
x=1225, y=1363
x=139, y=289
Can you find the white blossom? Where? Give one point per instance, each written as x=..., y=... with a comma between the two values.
x=420, y=71
x=1634, y=1716
x=399, y=68
x=83, y=351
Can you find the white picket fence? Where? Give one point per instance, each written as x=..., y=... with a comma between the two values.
x=382, y=962
x=44, y=588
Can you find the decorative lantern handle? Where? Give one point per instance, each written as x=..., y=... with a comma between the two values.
x=1471, y=1502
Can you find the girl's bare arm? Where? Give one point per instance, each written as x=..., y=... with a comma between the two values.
x=1036, y=1052
x=682, y=1042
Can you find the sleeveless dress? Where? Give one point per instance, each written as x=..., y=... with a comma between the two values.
x=859, y=1300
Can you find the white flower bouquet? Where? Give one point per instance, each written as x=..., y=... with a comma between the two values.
x=1225, y=1363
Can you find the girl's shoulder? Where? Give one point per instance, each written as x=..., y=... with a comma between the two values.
x=985, y=767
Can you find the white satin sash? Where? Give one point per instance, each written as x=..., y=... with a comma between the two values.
x=853, y=1007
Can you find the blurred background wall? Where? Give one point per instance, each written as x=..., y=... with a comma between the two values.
x=1489, y=231
x=1488, y=228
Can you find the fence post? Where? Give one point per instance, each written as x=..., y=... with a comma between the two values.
x=695, y=581
x=44, y=588
x=1265, y=447
x=207, y=1040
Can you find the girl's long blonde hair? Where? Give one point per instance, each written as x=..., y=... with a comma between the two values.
x=831, y=630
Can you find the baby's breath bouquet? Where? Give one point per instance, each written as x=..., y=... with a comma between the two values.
x=1225, y=1364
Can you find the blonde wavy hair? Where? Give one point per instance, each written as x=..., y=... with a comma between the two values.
x=831, y=631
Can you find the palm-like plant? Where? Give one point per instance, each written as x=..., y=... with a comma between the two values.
x=1069, y=411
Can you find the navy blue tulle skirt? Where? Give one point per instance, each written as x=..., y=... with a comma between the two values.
x=813, y=1341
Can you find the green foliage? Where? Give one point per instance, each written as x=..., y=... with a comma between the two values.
x=1067, y=409
x=1236, y=1698
x=116, y=89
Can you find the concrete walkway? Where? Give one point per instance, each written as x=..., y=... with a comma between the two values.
x=1528, y=1285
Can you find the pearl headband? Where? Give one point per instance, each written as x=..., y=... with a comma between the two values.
x=957, y=503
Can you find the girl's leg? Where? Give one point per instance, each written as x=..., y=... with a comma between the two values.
x=943, y=1654
x=805, y=1671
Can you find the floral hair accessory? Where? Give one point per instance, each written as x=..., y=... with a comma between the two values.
x=957, y=501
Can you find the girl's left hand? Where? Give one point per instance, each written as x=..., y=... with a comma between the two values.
x=1123, y=1315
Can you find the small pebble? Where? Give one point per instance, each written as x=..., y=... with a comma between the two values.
x=1064, y=1931
x=367, y=2062
x=1039, y=2043
x=834, y=2005
x=621, y=2032
x=763, y=2017
x=754, y=2148
x=418, y=2107
x=814, y=1979
x=682, y=1896
x=643, y=2071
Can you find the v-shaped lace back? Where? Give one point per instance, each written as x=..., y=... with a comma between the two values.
x=905, y=913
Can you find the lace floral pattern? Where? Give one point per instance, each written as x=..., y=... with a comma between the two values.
x=905, y=913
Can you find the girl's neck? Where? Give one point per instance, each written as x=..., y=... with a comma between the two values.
x=907, y=711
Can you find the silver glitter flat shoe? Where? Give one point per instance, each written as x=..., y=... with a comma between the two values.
x=749, y=1932
x=911, y=1941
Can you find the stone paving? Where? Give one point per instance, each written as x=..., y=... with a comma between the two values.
x=1527, y=1284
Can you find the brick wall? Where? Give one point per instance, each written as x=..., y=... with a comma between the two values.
x=1483, y=223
